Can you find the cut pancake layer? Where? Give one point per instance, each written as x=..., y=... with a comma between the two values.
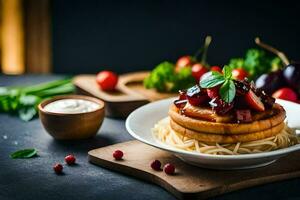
x=228, y=129
x=228, y=139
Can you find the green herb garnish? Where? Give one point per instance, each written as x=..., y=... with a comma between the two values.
x=24, y=153
x=227, y=89
x=23, y=100
x=165, y=79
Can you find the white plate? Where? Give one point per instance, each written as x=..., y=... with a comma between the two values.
x=140, y=122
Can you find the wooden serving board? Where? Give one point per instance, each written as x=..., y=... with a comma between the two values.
x=189, y=181
x=129, y=94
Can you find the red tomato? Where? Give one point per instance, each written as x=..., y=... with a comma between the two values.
x=216, y=69
x=198, y=70
x=286, y=94
x=184, y=61
x=239, y=74
x=107, y=80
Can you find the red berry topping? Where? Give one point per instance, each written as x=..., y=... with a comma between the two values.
x=196, y=95
x=58, y=168
x=182, y=94
x=118, y=155
x=254, y=101
x=198, y=70
x=213, y=92
x=156, y=164
x=216, y=69
x=70, y=159
x=169, y=169
x=286, y=94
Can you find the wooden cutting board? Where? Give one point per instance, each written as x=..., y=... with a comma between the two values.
x=129, y=94
x=189, y=181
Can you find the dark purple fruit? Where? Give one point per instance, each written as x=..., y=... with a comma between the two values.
x=180, y=103
x=220, y=106
x=196, y=96
x=291, y=74
x=242, y=87
x=270, y=82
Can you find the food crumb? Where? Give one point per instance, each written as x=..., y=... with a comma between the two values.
x=5, y=137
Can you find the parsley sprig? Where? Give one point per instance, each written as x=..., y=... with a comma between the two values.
x=227, y=90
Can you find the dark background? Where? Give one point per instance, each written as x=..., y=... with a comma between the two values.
x=89, y=36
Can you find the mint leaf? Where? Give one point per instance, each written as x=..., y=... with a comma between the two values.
x=24, y=153
x=227, y=71
x=212, y=79
x=227, y=91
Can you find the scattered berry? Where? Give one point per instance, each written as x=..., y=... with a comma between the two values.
x=58, y=168
x=118, y=155
x=70, y=159
x=169, y=169
x=156, y=164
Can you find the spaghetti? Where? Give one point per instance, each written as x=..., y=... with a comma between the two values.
x=163, y=132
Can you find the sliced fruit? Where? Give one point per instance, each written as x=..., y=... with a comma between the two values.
x=286, y=94
x=198, y=70
x=254, y=101
x=197, y=100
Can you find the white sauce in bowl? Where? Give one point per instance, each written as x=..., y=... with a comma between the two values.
x=69, y=106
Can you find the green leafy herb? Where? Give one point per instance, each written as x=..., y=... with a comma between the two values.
x=256, y=62
x=24, y=153
x=23, y=101
x=165, y=79
x=227, y=90
x=212, y=79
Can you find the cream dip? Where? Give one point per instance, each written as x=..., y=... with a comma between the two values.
x=71, y=106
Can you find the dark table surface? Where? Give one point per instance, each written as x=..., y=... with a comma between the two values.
x=34, y=178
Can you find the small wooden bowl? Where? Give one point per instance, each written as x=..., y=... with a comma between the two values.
x=72, y=126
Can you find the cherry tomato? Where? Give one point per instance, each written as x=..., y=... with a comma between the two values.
x=239, y=74
x=286, y=94
x=198, y=70
x=216, y=69
x=184, y=61
x=107, y=80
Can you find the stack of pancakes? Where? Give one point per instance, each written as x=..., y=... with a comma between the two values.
x=227, y=132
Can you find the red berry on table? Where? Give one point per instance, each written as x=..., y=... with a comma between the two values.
x=70, y=159
x=198, y=70
x=254, y=101
x=118, y=155
x=239, y=74
x=216, y=69
x=156, y=164
x=184, y=61
x=169, y=169
x=58, y=168
x=107, y=80
x=286, y=94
